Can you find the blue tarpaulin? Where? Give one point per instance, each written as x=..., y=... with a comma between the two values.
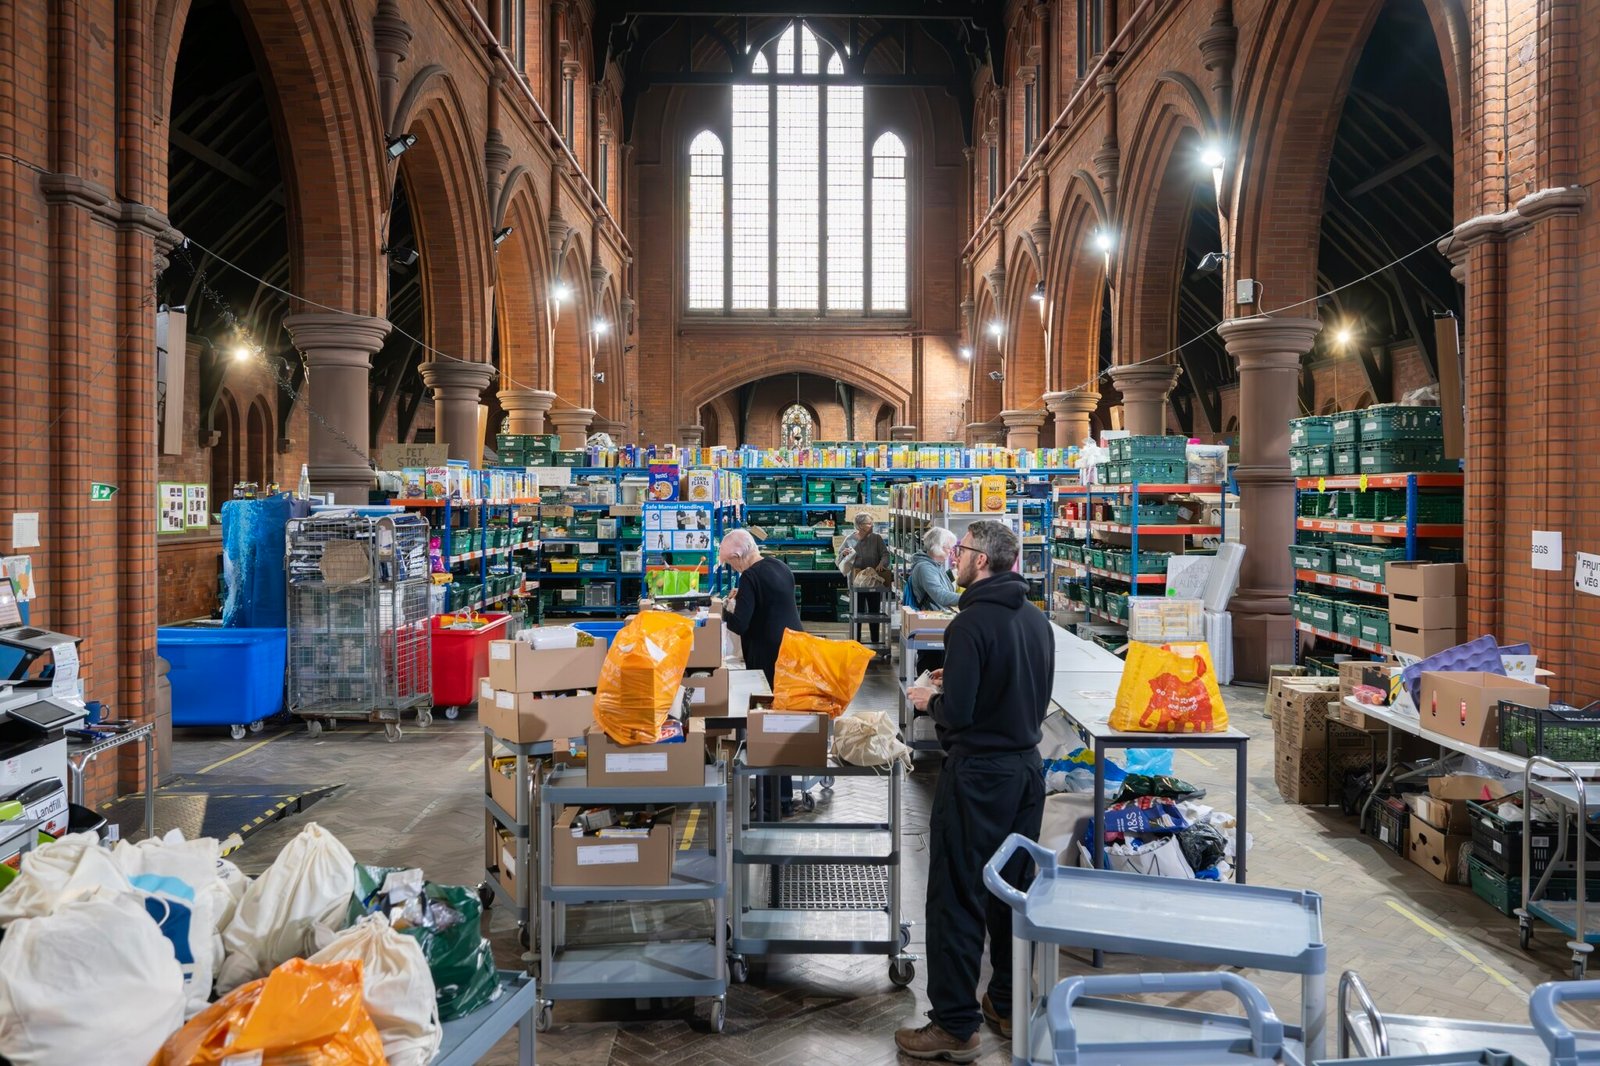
x=252, y=560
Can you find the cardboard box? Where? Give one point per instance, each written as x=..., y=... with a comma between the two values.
x=515, y=666
x=708, y=694
x=503, y=788
x=1422, y=643
x=527, y=718
x=707, y=651
x=1466, y=705
x=1302, y=775
x=924, y=624
x=500, y=855
x=680, y=765
x=1427, y=612
x=1417, y=580
x=1434, y=850
x=787, y=738
x=1302, y=713
x=1445, y=804
x=609, y=861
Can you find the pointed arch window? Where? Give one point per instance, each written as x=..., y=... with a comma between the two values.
x=799, y=427
x=800, y=193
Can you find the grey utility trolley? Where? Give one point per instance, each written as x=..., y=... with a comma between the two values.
x=1211, y=924
x=817, y=888
x=689, y=968
x=518, y=820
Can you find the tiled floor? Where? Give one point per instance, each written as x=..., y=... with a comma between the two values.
x=1423, y=947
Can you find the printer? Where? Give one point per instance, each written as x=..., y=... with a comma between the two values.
x=34, y=718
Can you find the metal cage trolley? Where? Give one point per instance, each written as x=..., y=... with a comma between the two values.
x=359, y=646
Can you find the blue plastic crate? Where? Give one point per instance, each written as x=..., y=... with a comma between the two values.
x=600, y=630
x=224, y=676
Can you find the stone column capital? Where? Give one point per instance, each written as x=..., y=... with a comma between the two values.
x=1024, y=419
x=571, y=416
x=518, y=401
x=455, y=379
x=1269, y=343
x=1080, y=402
x=691, y=435
x=331, y=339
x=982, y=432
x=906, y=433
x=1145, y=381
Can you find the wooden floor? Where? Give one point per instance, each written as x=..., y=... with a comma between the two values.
x=1422, y=947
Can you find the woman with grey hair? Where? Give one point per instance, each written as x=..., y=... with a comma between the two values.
x=931, y=587
x=868, y=570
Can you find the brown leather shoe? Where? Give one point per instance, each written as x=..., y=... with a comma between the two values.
x=932, y=1042
x=1000, y=1023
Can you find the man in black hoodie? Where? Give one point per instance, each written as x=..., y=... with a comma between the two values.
x=998, y=668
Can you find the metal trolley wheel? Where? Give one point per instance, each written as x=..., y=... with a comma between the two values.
x=719, y=1014
x=901, y=972
x=391, y=730
x=738, y=969
x=542, y=1020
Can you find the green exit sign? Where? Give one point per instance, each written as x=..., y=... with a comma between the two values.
x=99, y=493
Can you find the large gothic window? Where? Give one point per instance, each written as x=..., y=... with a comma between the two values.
x=799, y=428
x=806, y=219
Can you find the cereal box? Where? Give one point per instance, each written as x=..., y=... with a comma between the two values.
x=958, y=495
x=663, y=482
x=992, y=491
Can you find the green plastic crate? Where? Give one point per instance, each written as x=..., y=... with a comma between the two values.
x=1096, y=557
x=1375, y=505
x=1439, y=508
x=1370, y=562
x=1319, y=461
x=1158, y=471
x=1375, y=625
x=1504, y=893
x=1299, y=462
x=1346, y=427
x=1097, y=599
x=1311, y=557
x=1348, y=617
x=1320, y=613
x=1392, y=421
x=1346, y=458
x=1402, y=456
x=1311, y=431
x=1149, y=513
x=1149, y=447
x=1318, y=504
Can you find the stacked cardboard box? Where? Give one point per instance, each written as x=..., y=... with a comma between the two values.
x=1306, y=755
x=1427, y=607
x=635, y=857
x=1441, y=825
x=530, y=694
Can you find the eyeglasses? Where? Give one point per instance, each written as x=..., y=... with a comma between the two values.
x=968, y=548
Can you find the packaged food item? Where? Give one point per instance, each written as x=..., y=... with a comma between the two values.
x=663, y=482
x=993, y=491
x=701, y=486
x=959, y=495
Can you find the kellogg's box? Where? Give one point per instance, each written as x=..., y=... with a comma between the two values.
x=663, y=482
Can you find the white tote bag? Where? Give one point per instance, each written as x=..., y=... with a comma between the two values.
x=94, y=982
x=57, y=873
x=163, y=868
x=308, y=884
x=397, y=985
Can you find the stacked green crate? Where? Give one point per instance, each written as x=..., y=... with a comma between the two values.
x=1400, y=439
x=819, y=490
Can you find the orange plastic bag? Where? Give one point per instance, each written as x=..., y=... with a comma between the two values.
x=640, y=679
x=813, y=674
x=1171, y=688
x=301, y=1014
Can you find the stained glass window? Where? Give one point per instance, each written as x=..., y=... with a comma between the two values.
x=799, y=428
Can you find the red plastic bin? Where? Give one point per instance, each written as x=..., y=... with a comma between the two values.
x=460, y=657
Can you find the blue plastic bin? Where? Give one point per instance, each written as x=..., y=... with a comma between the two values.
x=223, y=676
x=600, y=630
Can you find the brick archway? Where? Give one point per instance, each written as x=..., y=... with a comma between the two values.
x=320, y=84
x=570, y=347
x=522, y=293
x=822, y=364
x=1024, y=340
x=986, y=397
x=1076, y=289
x=450, y=213
x=610, y=394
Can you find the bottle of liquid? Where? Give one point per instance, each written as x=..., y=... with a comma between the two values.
x=304, y=489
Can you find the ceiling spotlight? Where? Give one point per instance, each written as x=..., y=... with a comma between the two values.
x=966, y=352
x=241, y=352
x=600, y=327
x=560, y=291
x=996, y=329
x=1343, y=336
x=1211, y=156
x=997, y=375
x=402, y=256
x=1038, y=293
x=600, y=376
x=1103, y=242
x=396, y=146
x=1210, y=263
x=500, y=235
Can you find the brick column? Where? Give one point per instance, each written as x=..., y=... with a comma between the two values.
x=983, y=433
x=1072, y=411
x=1145, y=389
x=691, y=436
x=573, y=425
x=525, y=409
x=1022, y=428
x=1268, y=351
x=907, y=433
x=457, y=391
x=338, y=350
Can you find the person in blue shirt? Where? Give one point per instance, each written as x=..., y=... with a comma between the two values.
x=931, y=587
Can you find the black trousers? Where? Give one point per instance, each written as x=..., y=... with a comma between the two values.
x=979, y=801
x=870, y=602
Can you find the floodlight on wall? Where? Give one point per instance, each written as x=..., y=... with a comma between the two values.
x=1343, y=336
x=600, y=327
x=397, y=145
x=1103, y=242
x=1211, y=157
x=403, y=257
x=560, y=291
x=1210, y=263
x=1038, y=293
x=997, y=375
x=241, y=353
x=500, y=235
x=996, y=329
x=600, y=377
x=966, y=352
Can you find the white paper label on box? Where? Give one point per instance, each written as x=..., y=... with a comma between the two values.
x=589, y=549
x=1586, y=573
x=697, y=695
x=485, y=690
x=625, y=763
x=506, y=701
x=608, y=854
x=1546, y=549
x=499, y=651
x=792, y=723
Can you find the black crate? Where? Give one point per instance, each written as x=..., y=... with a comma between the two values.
x=1386, y=822
x=1564, y=733
x=1497, y=842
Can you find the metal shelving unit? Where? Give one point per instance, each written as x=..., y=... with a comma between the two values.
x=478, y=513
x=817, y=888
x=521, y=824
x=658, y=969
